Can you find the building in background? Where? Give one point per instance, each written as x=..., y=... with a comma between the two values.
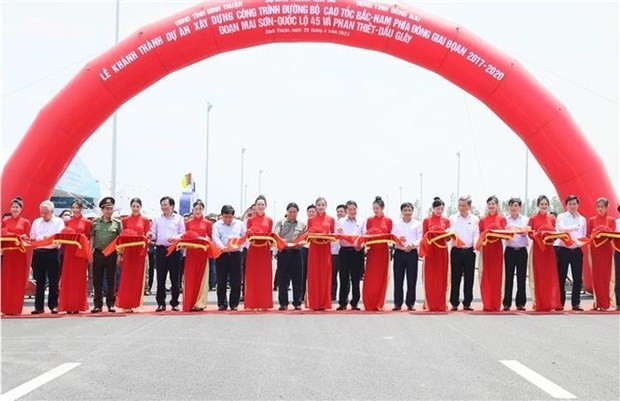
x=76, y=183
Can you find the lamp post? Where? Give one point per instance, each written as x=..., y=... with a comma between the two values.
x=458, y=174
x=241, y=195
x=114, y=117
x=209, y=107
x=525, y=201
x=400, y=191
x=421, y=197
x=260, y=173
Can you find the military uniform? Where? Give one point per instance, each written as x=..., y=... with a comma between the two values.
x=102, y=234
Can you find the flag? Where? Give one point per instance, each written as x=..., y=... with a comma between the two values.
x=187, y=180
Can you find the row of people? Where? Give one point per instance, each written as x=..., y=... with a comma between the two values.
x=430, y=238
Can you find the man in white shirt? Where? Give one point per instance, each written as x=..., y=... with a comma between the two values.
x=228, y=265
x=167, y=228
x=515, y=257
x=575, y=225
x=617, y=262
x=351, y=259
x=45, y=261
x=463, y=259
x=409, y=230
x=341, y=212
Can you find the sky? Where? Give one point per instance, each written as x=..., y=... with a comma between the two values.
x=318, y=119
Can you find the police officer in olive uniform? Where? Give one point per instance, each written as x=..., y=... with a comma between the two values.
x=105, y=230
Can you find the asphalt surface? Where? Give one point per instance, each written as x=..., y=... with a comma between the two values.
x=313, y=356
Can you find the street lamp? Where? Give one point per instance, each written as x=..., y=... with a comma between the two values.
x=400, y=190
x=260, y=173
x=241, y=195
x=458, y=174
x=209, y=107
x=114, y=117
x=525, y=201
x=421, y=197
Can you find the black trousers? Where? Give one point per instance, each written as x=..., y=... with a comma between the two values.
x=151, y=270
x=228, y=270
x=335, y=267
x=351, y=267
x=462, y=264
x=167, y=264
x=181, y=271
x=515, y=259
x=104, y=266
x=304, y=271
x=46, y=265
x=405, y=265
x=574, y=258
x=212, y=274
x=244, y=254
x=289, y=266
x=617, y=262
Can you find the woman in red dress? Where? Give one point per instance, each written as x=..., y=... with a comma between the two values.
x=319, y=271
x=195, y=285
x=542, y=262
x=258, y=271
x=491, y=268
x=436, y=266
x=74, y=279
x=130, y=294
x=15, y=262
x=601, y=256
x=377, y=260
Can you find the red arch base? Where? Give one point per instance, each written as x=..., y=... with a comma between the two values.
x=210, y=28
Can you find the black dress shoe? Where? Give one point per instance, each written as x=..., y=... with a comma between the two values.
x=410, y=307
x=233, y=308
x=175, y=309
x=221, y=307
x=578, y=308
x=282, y=308
x=341, y=308
x=36, y=312
x=468, y=308
x=506, y=308
x=160, y=308
x=298, y=308
x=397, y=308
x=111, y=310
x=95, y=310
x=355, y=307
x=54, y=311
x=521, y=308
x=454, y=308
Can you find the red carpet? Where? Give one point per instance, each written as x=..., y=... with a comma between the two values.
x=212, y=310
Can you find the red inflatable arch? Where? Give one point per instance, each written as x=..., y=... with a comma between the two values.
x=214, y=27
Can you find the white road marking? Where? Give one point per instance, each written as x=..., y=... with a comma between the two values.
x=37, y=382
x=538, y=380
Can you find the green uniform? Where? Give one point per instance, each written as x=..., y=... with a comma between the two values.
x=104, y=232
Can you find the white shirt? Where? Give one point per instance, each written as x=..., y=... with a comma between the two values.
x=618, y=231
x=519, y=240
x=166, y=227
x=222, y=233
x=42, y=229
x=349, y=227
x=412, y=231
x=575, y=226
x=467, y=228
